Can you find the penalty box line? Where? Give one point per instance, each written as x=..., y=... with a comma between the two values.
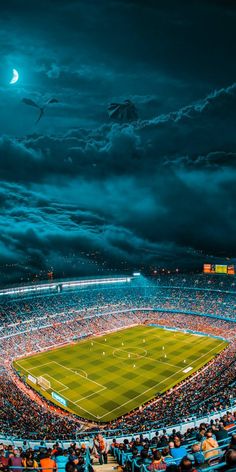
x=77, y=373
x=78, y=406
x=67, y=388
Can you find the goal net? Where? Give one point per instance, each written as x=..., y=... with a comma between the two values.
x=44, y=383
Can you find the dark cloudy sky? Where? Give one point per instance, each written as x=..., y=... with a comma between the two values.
x=84, y=195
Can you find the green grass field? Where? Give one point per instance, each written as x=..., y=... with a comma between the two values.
x=105, y=377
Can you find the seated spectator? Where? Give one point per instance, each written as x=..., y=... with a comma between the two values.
x=196, y=456
x=3, y=461
x=167, y=457
x=61, y=459
x=71, y=467
x=178, y=451
x=143, y=458
x=186, y=465
x=233, y=442
x=157, y=462
x=230, y=459
x=221, y=433
x=201, y=434
x=210, y=445
x=16, y=460
x=48, y=464
x=28, y=461
x=80, y=464
x=113, y=445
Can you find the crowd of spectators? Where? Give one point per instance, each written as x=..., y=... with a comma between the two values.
x=209, y=444
x=35, y=324
x=185, y=295
x=56, y=459
x=200, y=447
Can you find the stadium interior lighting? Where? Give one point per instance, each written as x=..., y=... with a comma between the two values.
x=28, y=289
x=82, y=283
x=53, y=286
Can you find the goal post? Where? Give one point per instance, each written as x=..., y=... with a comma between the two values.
x=44, y=383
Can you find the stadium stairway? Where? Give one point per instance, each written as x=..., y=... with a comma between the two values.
x=109, y=467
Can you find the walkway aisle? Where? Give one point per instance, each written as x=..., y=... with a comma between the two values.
x=109, y=467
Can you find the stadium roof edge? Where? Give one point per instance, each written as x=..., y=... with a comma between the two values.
x=64, y=283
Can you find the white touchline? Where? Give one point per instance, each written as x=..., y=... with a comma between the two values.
x=104, y=388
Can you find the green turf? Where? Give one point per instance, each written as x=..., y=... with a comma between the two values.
x=132, y=371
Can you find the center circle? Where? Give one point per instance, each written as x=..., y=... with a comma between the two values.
x=130, y=353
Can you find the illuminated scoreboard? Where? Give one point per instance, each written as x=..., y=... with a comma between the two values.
x=219, y=269
x=207, y=268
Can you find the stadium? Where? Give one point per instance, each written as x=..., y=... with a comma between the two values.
x=138, y=360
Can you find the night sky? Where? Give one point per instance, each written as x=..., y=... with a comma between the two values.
x=81, y=194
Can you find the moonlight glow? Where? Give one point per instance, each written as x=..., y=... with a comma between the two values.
x=15, y=76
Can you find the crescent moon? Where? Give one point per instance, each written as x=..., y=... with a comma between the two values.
x=15, y=76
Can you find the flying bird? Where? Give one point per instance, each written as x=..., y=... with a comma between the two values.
x=123, y=112
x=28, y=101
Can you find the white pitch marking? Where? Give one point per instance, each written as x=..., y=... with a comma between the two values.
x=90, y=395
x=155, y=386
x=103, y=387
x=39, y=366
x=58, y=381
x=86, y=411
x=187, y=370
x=76, y=373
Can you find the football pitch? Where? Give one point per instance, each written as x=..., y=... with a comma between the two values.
x=104, y=377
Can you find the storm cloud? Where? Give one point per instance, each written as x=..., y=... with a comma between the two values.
x=80, y=194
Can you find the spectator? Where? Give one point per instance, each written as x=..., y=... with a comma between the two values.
x=221, y=434
x=100, y=447
x=196, y=456
x=48, y=464
x=186, y=465
x=157, y=462
x=16, y=461
x=144, y=458
x=233, y=442
x=3, y=461
x=29, y=462
x=80, y=464
x=71, y=467
x=61, y=459
x=230, y=459
x=178, y=451
x=210, y=445
x=167, y=457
